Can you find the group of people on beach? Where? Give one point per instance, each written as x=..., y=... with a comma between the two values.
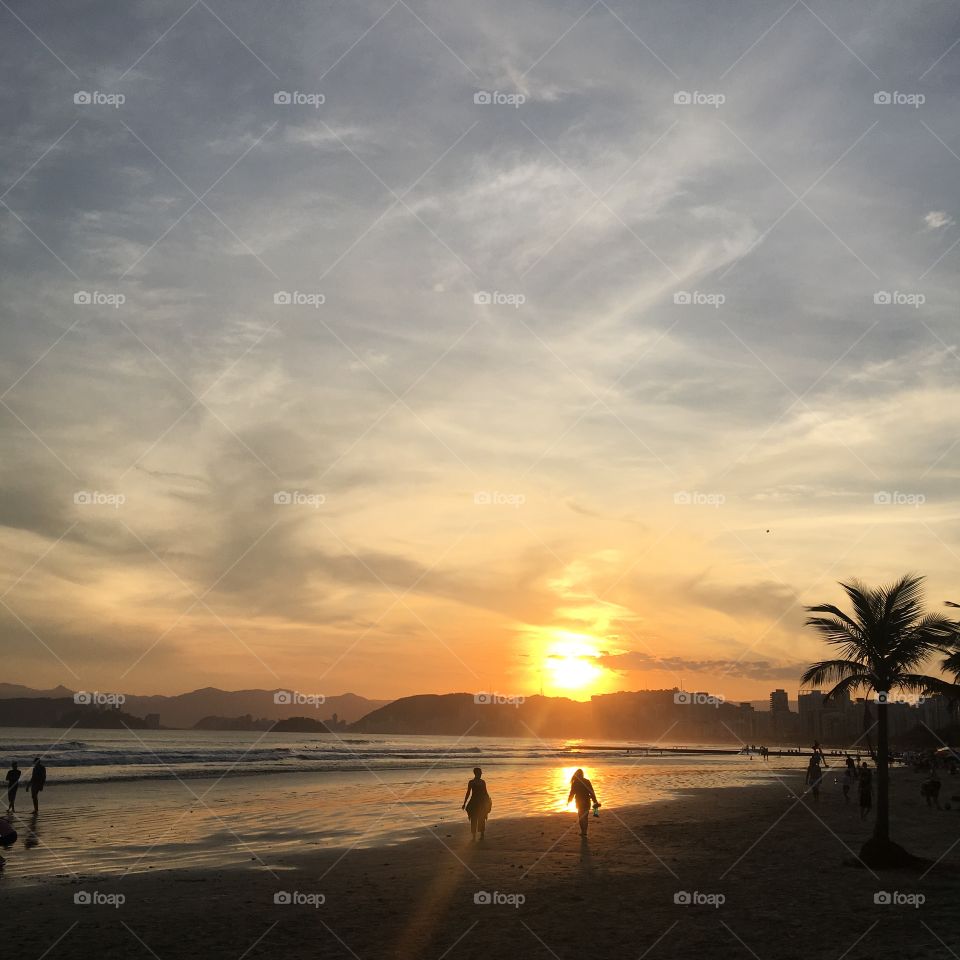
x=853, y=775
x=38, y=777
x=477, y=802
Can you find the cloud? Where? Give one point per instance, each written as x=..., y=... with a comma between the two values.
x=635, y=661
x=938, y=220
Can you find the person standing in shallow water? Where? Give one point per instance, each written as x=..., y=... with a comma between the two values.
x=477, y=803
x=582, y=789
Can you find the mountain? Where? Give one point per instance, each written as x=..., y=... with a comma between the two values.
x=646, y=716
x=460, y=714
x=63, y=712
x=16, y=691
x=184, y=709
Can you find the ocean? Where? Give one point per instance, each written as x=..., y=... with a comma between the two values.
x=118, y=802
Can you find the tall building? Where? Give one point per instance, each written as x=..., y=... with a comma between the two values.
x=779, y=702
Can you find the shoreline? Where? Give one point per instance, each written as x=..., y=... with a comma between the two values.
x=781, y=864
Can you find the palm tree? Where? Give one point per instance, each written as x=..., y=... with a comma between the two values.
x=881, y=643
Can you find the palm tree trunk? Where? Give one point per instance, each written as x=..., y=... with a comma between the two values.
x=881, y=829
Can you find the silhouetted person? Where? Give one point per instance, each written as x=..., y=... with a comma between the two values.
x=866, y=790
x=477, y=803
x=930, y=789
x=13, y=784
x=818, y=751
x=38, y=777
x=581, y=789
x=814, y=775
x=849, y=778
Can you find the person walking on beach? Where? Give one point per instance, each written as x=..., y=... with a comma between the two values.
x=38, y=777
x=866, y=790
x=13, y=783
x=814, y=775
x=849, y=778
x=477, y=803
x=582, y=789
x=818, y=752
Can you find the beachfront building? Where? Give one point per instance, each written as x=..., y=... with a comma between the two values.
x=783, y=724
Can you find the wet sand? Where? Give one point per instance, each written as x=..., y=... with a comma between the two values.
x=784, y=867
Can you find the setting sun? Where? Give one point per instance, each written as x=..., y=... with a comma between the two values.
x=570, y=661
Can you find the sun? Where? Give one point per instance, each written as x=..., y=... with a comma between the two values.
x=570, y=661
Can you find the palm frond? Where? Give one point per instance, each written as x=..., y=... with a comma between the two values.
x=831, y=671
x=920, y=684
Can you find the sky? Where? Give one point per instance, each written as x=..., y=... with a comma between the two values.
x=404, y=347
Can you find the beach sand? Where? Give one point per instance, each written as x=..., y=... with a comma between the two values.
x=785, y=868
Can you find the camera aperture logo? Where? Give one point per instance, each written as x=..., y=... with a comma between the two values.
x=498, y=898
x=94, y=898
x=499, y=699
x=897, y=898
x=496, y=98
x=95, y=698
x=685, y=698
x=297, y=98
x=694, y=898
x=294, y=698
x=297, y=498
x=296, y=898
